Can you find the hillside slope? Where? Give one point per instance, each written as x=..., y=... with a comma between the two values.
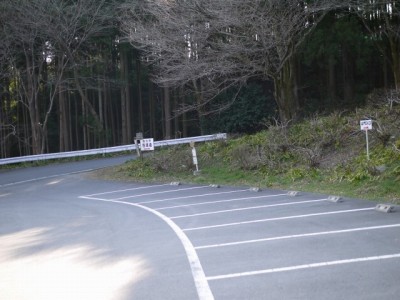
x=324, y=154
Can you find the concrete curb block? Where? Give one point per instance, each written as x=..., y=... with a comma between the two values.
x=386, y=208
x=216, y=186
x=293, y=193
x=335, y=199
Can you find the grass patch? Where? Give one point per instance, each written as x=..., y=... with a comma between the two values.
x=324, y=154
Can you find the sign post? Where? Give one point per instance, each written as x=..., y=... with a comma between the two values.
x=366, y=125
x=195, y=161
x=138, y=138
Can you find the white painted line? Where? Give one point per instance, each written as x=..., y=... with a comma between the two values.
x=162, y=192
x=307, y=266
x=247, y=208
x=286, y=237
x=193, y=196
x=203, y=289
x=278, y=219
x=127, y=190
x=220, y=201
x=45, y=177
x=92, y=198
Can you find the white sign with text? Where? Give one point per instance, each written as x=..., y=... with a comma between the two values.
x=147, y=145
x=366, y=124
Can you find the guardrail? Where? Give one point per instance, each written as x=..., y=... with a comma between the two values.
x=132, y=147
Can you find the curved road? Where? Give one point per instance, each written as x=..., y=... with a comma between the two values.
x=65, y=235
x=57, y=246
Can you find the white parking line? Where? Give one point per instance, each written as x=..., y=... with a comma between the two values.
x=193, y=196
x=220, y=201
x=278, y=219
x=162, y=192
x=201, y=283
x=285, y=237
x=307, y=266
x=127, y=190
x=247, y=208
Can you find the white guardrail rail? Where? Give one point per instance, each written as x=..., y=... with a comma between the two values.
x=132, y=147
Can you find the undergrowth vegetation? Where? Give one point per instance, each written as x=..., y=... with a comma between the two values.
x=324, y=154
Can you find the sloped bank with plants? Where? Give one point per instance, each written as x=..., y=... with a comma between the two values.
x=325, y=154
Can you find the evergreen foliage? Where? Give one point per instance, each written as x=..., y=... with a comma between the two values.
x=247, y=113
x=70, y=79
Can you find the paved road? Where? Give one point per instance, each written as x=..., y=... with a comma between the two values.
x=25, y=175
x=73, y=237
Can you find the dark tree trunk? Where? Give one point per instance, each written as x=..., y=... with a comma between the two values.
x=33, y=106
x=331, y=81
x=167, y=113
x=348, y=76
x=126, y=118
x=64, y=135
x=176, y=98
x=286, y=92
x=198, y=89
x=139, y=89
x=395, y=54
x=152, y=111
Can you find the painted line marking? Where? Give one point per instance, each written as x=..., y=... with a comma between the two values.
x=306, y=266
x=127, y=190
x=193, y=196
x=46, y=177
x=162, y=192
x=247, y=208
x=201, y=283
x=286, y=237
x=278, y=219
x=220, y=201
x=92, y=198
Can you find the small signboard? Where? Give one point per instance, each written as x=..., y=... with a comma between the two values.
x=147, y=144
x=139, y=136
x=366, y=124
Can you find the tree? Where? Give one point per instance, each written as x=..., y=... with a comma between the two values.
x=41, y=41
x=24, y=50
x=338, y=62
x=248, y=114
x=224, y=43
x=77, y=34
x=382, y=19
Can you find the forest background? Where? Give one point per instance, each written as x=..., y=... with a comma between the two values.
x=84, y=74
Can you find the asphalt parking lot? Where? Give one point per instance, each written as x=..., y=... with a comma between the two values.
x=243, y=244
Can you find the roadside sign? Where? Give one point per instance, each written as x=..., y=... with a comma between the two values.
x=366, y=124
x=147, y=144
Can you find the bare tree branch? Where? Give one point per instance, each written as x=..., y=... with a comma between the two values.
x=221, y=42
